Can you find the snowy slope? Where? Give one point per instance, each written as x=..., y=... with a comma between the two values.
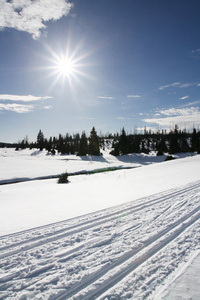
x=127, y=234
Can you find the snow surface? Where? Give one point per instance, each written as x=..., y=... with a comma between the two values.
x=126, y=234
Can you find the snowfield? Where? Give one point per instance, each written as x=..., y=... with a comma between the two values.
x=127, y=234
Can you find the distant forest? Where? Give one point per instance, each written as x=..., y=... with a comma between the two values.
x=175, y=141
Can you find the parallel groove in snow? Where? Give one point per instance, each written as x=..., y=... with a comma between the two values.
x=132, y=266
x=175, y=211
x=41, y=240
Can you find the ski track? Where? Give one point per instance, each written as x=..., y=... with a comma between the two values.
x=87, y=257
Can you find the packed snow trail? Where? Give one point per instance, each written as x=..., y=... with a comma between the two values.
x=92, y=221
x=119, y=253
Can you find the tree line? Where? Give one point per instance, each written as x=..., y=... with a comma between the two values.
x=175, y=141
x=68, y=144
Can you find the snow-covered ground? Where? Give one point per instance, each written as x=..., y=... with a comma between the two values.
x=26, y=164
x=127, y=234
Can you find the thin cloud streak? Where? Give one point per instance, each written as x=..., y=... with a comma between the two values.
x=169, y=85
x=133, y=96
x=191, y=103
x=105, y=97
x=183, y=98
x=29, y=16
x=178, y=84
x=186, y=85
x=24, y=98
x=195, y=51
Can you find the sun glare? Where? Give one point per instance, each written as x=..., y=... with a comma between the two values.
x=65, y=67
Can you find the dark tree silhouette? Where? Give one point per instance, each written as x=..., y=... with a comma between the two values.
x=195, y=141
x=83, y=146
x=94, y=143
x=40, y=140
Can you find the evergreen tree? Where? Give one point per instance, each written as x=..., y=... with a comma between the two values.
x=94, y=143
x=83, y=146
x=161, y=147
x=135, y=147
x=40, y=140
x=61, y=145
x=184, y=147
x=123, y=143
x=115, y=151
x=72, y=148
x=23, y=146
x=49, y=145
x=174, y=146
x=194, y=141
x=76, y=139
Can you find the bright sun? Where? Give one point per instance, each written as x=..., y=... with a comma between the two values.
x=65, y=67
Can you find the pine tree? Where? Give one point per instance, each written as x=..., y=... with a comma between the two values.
x=174, y=146
x=161, y=147
x=40, y=140
x=94, y=143
x=123, y=144
x=83, y=146
x=194, y=141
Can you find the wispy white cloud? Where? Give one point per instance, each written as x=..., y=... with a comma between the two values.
x=133, y=96
x=196, y=51
x=106, y=97
x=197, y=102
x=120, y=118
x=30, y=15
x=179, y=84
x=169, y=85
x=47, y=107
x=186, y=85
x=18, y=108
x=183, y=117
x=183, y=98
x=180, y=111
x=182, y=121
x=24, y=98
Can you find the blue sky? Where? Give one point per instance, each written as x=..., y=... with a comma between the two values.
x=68, y=66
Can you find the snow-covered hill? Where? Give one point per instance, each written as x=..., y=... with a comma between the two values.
x=127, y=234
